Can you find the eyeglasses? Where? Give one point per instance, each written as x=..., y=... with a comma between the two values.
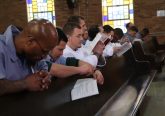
x=43, y=51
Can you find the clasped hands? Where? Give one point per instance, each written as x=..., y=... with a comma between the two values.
x=38, y=81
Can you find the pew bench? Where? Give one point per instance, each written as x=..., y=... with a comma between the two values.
x=123, y=75
x=156, y=59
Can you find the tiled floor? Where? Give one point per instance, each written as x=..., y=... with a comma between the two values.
x=154, y=102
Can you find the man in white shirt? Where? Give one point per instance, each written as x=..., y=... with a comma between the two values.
x=81, y=22
x=73, y=47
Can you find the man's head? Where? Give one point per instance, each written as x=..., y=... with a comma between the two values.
x=132, y=31
x=93, y=31
x=58, y=49
x=108, y=30
x=128, y=25
x=118, y=34
x=36, y=39
x=74, y=34
x=79, y=20
x=144, y=32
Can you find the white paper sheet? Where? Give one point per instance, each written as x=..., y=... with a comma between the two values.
x=84, y=88
x=93, y=43
x=124, y=47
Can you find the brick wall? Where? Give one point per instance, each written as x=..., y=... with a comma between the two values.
x=145, y=14
x=89, y=9
x=14, y=12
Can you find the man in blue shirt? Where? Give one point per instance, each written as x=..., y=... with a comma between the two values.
x=55, y=55
x=20, y=53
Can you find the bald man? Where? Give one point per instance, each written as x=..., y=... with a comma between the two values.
x=20, y=53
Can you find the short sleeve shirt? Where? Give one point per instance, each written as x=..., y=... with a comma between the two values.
x=60, y=60
x=80, y=54
x=13, y=67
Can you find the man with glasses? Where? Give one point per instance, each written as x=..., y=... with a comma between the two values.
x=74, y=49
x=81, y=22
x=20, y=53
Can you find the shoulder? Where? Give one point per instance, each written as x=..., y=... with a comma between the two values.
x=47, y=58
x=61, y=60
x=2, y=44
x=68, y=52
x=41, y=65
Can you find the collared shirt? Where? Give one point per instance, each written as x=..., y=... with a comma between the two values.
x=13, y=67
x=60, y=60
x=81, y=55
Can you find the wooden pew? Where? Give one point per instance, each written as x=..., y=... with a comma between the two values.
x=151, y=47
x=143, y=53
x=158, y=46
x=126, y=101
x=160, y=36
x=119, y=73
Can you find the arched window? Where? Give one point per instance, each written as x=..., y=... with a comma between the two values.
x=117, y=13
x=41, y=9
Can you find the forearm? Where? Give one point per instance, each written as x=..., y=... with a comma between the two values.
x=81, y=63
x=7, y=86
x=63, y=71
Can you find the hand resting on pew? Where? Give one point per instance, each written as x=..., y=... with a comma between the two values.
x=98, y=76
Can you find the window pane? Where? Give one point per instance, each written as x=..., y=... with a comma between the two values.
x=41, y=9
x=117, y=13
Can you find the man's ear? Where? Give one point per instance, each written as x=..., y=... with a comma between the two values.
x=69, y=37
